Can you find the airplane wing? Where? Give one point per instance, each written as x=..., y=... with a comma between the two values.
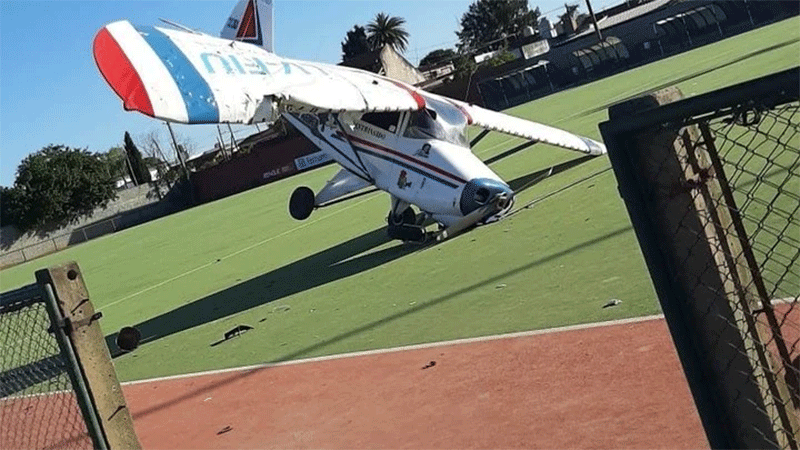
x=508, y=124
x=192, y=78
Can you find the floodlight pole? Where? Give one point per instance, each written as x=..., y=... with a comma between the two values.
x=594, y=20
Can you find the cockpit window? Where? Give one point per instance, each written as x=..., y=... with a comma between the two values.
x=422, y=125
x=441, y=120
x=385, y=120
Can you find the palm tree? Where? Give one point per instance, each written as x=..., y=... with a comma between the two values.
x=385, y=30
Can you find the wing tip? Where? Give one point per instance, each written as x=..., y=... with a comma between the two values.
x=117, y=70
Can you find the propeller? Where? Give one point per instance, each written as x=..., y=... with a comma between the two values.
x=472, y=218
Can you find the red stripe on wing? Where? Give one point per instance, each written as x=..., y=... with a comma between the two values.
x=463, y=111
x=417, y=98
x=119, y=73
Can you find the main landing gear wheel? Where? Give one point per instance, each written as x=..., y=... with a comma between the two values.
x=301, y=204
x=404, y=227
x=408, y=217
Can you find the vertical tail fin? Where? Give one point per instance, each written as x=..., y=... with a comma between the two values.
x=251, y=22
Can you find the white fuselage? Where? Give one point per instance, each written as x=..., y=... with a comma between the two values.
x=426, y=172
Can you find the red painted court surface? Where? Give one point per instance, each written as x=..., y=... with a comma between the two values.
x=618, y=386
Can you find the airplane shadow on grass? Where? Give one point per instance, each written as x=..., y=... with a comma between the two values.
x=203, y=389
x=528, y=181
x=340, y=261
x=335, y=263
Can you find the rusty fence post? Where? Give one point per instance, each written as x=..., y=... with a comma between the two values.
x=681, y=222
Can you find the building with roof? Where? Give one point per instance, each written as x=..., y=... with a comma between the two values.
x=634, y=33
x=387, y=62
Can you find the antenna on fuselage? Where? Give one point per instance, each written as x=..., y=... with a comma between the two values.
x=179, y=26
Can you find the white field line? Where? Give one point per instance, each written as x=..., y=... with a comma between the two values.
x=779, y=301
x=250, y=247
x=41, y=394
x=382, y=351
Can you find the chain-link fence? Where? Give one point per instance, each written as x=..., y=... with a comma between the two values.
x=58, y=387
x=712, y=185
x=38, y=408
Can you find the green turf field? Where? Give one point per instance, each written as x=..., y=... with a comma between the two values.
x=334, y=283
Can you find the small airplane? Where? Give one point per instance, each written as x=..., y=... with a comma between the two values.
x=385, y=134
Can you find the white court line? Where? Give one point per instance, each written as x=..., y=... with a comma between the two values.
x=189, y=272
x=382, y=351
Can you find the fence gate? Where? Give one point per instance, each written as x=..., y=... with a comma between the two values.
x=712, y=186
x=58, y=388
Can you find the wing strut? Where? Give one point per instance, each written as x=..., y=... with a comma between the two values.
x=346, y=198
x=350, y=143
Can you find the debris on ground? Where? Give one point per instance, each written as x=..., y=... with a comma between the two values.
x=612, y=302
x=238, y=330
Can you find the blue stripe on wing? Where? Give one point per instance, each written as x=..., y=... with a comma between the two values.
x=197, y=94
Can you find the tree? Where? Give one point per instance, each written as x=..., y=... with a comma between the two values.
x=437, y=56
x=355, y=43
x=567, y=19
x=385, y=30
x=154, y=157
x=569, y=11
x=465, y=66
x=489, y=20
x=116, y=160
x=139, y=171
x=57, y=185
x=500, y=59
x=11, y=206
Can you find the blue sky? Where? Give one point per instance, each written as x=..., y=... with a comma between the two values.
x=51, y=91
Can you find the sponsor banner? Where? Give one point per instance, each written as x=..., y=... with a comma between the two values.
x=289, y=168
x=312, y=160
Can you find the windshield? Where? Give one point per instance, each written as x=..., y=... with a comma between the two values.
x=422, y=125
x=440, y=120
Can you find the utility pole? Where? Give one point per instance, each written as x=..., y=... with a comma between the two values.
x=130, y=170
x=178, y=151
x=163, y=161
x=594, y=20
x=222, y=149
x=233, y=139
x=183, y=163
x=222, y=144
